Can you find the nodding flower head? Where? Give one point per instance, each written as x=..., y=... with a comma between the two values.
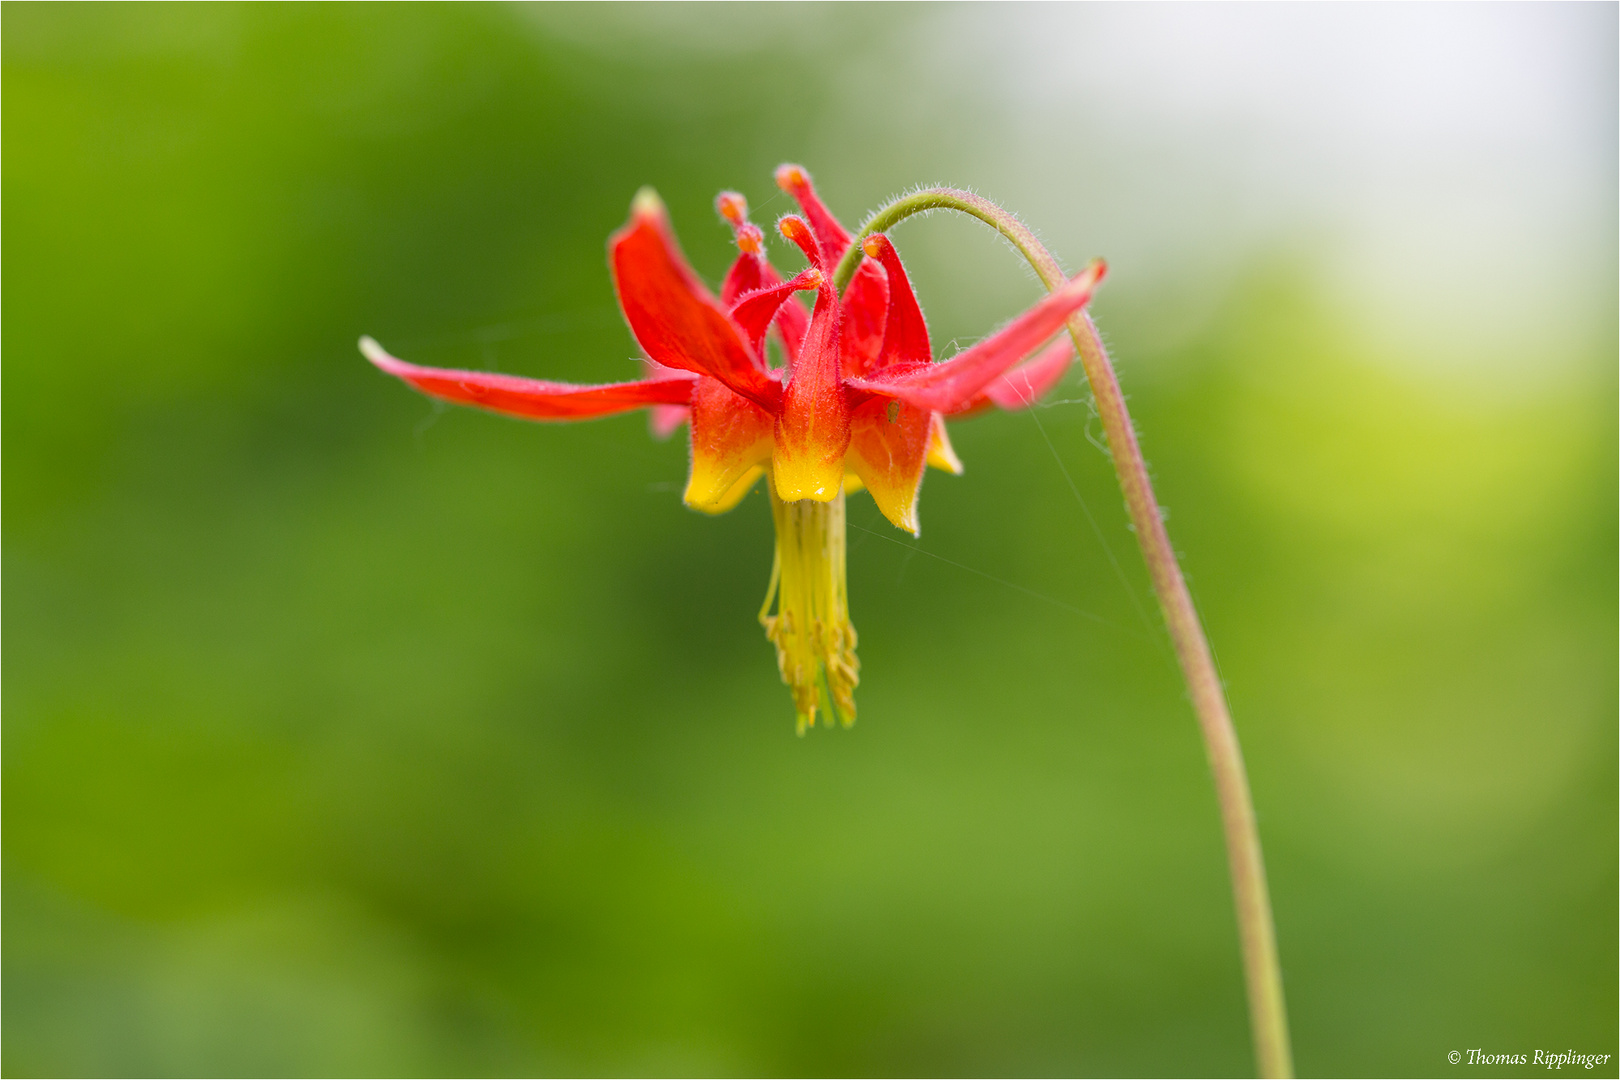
x=857, y=402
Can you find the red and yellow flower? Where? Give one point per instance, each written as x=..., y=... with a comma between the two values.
x=858, y=401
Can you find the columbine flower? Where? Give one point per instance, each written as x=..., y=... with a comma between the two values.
x=860, y=401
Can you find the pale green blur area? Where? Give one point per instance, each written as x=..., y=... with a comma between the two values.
x=349, y=735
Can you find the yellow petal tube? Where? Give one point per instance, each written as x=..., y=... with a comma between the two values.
x=815, y=642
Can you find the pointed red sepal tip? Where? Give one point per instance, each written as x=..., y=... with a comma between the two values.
x=647, y=204
x=536, y=399
x=379, y=356
x=795, y=229
x=732, y=206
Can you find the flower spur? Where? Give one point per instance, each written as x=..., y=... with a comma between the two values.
x=860, y=401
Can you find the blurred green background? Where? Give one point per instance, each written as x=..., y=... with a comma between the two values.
x=345, y=734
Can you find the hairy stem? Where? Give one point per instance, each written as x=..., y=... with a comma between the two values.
x=1256, y=931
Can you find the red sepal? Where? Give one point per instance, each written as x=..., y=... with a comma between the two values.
x=1025, y=384
x=905, y=333
x=533, y=399
x=955, y=383
x=673, y=316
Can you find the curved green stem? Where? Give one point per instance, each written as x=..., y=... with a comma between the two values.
x=1255, y=928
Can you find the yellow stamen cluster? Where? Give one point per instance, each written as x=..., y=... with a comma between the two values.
x=815, y=643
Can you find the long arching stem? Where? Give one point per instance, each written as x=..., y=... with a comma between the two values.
x=1255, y=928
